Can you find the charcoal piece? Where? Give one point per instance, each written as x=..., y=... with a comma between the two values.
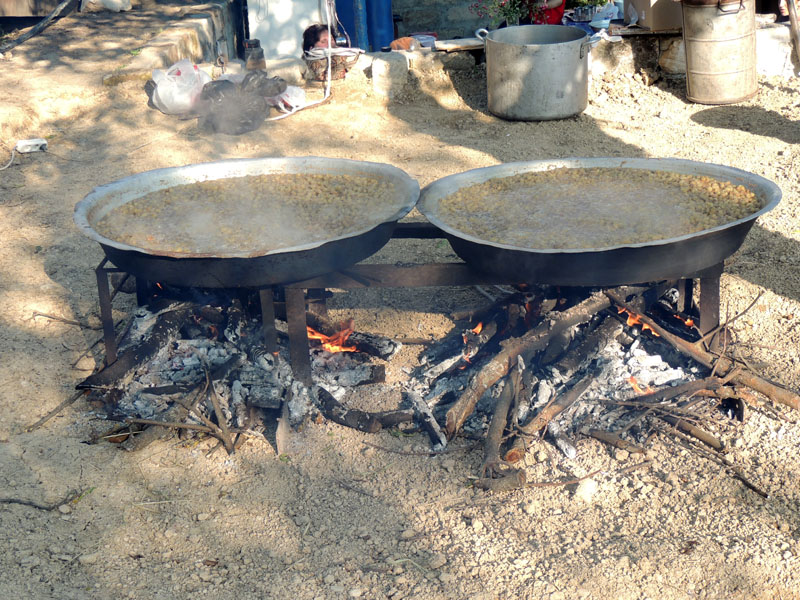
x=166, y=326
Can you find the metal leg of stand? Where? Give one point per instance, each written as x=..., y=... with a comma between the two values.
x=298, y=334
x=685, y=295
x=142, y=291
x=268, y=320
x=106, y=316
x=709, y=302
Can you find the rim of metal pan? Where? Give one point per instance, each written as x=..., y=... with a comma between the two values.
x=432, y=194
x=106, y=197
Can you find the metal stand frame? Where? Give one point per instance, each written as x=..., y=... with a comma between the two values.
x=373, y=275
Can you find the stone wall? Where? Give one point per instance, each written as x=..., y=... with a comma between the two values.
x=447, y=18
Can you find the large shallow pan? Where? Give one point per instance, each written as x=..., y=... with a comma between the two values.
x=617, y=265
x=254, y=268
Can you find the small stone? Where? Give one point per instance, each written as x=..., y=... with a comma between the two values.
x=586, y=490
x=64, y=509
x=89, y=559
x=448, y=465
x=672, y=480
x=329, y=579
x=355, y=593
x=558, y=595
x=541, y=456
x=407, y=534
x=437, y=561
x=787, y=555
x=530, y=508
x=205, y=576
x=446, y=577
x=477, y=525
x=338, y=589
x=621, y=455
x=203, y=517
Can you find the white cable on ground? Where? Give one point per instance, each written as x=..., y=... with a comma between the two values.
x=8, y=164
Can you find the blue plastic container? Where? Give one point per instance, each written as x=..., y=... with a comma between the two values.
x=353, y=16
x=380, y=24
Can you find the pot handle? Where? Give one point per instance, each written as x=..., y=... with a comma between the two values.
x=592, y=41
x=481, y=34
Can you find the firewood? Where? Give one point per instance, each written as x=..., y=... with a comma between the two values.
x=167, y=324
x=527, y=345
x=427, y=421
x=721, y=364
x=614, y=440
x=694, y=431
x=514, y=480
x=375, y=345
x=494, y=437
x=334, y=411
x=568, y=365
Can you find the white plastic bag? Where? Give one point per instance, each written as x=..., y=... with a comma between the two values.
x=292, y=99
x=177, y=89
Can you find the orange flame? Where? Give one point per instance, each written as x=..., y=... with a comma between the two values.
x=478, y=329
x=637, y=388
x=689, y=322
x=332, y=343
x=636, y=320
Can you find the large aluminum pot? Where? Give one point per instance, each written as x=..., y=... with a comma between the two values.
x=537, y=72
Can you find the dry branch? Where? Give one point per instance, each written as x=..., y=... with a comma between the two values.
x=614, y=440
x=511, y=481
x=494, y=437
x=721, y=364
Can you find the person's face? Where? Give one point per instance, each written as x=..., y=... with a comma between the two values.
x=323, y=40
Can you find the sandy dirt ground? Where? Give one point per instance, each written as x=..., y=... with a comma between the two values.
x=336, y=517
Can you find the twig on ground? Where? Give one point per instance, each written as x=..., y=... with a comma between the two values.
x=55, y=411
x=72, y=495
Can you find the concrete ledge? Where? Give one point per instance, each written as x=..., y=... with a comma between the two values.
x=193, y=37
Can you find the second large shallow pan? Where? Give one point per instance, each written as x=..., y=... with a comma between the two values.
x=616, y=265
x=261, y=264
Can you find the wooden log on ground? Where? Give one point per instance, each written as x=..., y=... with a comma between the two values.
x=368, y=422
x=511, y=481
x=614, y=440
x=494, y=437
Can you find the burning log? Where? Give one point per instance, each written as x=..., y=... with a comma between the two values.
x=457, y=348
x=372, y=344
x=527, y=345
x=720, y=364
x=568, y=365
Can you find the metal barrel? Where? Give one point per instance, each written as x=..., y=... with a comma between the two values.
x=720, y=42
